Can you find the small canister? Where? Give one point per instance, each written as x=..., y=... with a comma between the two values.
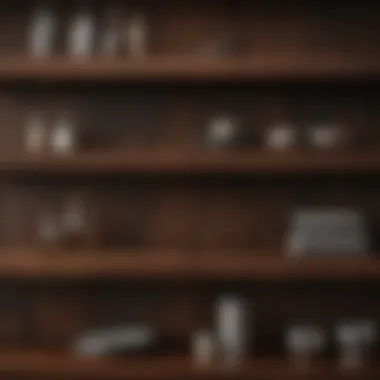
x=280, y=136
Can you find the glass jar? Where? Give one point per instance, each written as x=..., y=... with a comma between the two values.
x=327, y=136
x=355, y=341
x=280, y=137
x=223, y=132
x=63, y=138
x=303, y=343
x=81, y=33
x=137, y=35
x=203, y=347
x=42, y=32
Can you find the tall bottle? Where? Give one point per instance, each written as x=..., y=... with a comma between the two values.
x=81, y=33
x=232, y=327
x=42, y=32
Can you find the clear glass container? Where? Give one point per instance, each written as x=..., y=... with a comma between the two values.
x=136, y=35
x=327, y=136
x=223, y=131
x=63, y=136
x=355, y=342
x=280, y=137
x=203, y=348
x=303, y=343
x=41, y=34
x=81, y=33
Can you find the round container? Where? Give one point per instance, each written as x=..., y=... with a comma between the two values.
x=327, y=136
x=355, y=340
x=223, y=132
x=280, y=137
x=304, y=342
x=62, y=137
x=81, y=34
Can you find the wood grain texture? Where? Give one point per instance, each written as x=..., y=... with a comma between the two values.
x=180, y=265
x=189, y=69
x=157, y=161
x=50, y=364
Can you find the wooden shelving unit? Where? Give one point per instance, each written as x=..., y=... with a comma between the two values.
x=167, y=223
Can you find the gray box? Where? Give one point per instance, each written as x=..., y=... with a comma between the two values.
x=327, y=232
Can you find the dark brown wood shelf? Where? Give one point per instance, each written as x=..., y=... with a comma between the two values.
x=181, y=265
x=189, y=69
x=45, y=363
x=198, y=161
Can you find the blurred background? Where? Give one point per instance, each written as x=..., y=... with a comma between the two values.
x=189, y=189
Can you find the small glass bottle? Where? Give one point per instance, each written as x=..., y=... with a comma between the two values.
x=35, y=133
x=81, y=33
x=137, y=35
x=63, y=136
x=203, y=348
x=41, y=33
x=223, y=131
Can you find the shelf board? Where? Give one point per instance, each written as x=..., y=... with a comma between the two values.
x=45, y=363
x=199, y=161
x=172, y=264
x=190, y=69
